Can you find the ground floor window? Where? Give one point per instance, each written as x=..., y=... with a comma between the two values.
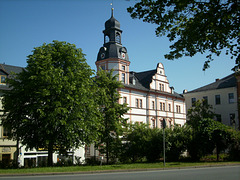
x=30, y=162
x=6, y=159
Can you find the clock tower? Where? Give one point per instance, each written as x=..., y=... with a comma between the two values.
x=113, y=55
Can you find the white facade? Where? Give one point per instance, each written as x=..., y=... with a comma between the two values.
x=223, y=100
x=148, y=106
x=153, y=105
x=39, y=157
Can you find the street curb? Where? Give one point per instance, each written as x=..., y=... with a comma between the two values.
x=114, y=171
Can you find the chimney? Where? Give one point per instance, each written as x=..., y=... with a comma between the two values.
x=217, y=79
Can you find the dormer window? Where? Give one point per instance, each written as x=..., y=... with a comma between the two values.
x=134, y=81
x=3, y=79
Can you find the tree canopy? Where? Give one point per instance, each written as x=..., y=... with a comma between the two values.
x=209, y=26
x=112, y=112
x=50, y=103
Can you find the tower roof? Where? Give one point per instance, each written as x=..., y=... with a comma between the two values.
x=112, y=47
x=112, y=23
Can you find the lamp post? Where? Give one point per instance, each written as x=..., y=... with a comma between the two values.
x=164, y=126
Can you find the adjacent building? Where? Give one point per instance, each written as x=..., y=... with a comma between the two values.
x=9, y=148
x=222, y=95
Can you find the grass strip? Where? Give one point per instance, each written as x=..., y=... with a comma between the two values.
x=136, y=166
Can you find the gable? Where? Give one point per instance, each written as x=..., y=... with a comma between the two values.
x=3, y=73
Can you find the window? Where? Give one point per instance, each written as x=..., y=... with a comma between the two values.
x=106, y=39
x=193, y=102
x=123, y=67
x=6, y=132
x=123, y=78
x=169, y=107
x=3, y=79
x=161, y=123
x=162, y=106
x=103, y=67
x=217, y=99
x=140, y=103
x=134, y=81
x=153, y=105
x=232, y=118
x=137, y=105
x=205, y=100
x=125, y=100
x=219, y=117
x=161, y=87
x=118, y=39
x=153, y=124
x=170, y=123
x=231, y=98
x=178, y=109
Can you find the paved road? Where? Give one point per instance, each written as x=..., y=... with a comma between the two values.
x=212, y=173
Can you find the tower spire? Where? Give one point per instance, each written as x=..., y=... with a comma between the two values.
x=112, y=8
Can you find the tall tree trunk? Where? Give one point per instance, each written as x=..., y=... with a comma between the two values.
x=50, y=153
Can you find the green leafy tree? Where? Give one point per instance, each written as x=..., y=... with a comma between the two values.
x=50, y=104
x=199, y=143
x=234, y=147
x=219, y=134
x=136, y=138
x=143, y=142
x=194, y=26
x=177, y=139
x=200, y=110
x=112, y=112
x=207, y=134
x=154, y=145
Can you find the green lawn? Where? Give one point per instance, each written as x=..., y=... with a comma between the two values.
x=111, y=167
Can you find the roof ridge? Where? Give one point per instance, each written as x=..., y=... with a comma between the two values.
x=147, y=71
x=225, y=82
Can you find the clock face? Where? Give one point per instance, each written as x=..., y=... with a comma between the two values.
x=103, y=55
x=123, y=55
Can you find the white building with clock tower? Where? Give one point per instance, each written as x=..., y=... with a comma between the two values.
x=148, y=94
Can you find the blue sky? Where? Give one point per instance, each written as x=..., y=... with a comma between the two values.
x=25, y=24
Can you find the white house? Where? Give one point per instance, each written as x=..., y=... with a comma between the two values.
x=222, y=95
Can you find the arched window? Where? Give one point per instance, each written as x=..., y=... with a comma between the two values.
x=106, y=39
x=153, y=123
x=118, y=38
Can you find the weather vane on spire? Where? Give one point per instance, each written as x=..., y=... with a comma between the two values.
x=112, y=7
